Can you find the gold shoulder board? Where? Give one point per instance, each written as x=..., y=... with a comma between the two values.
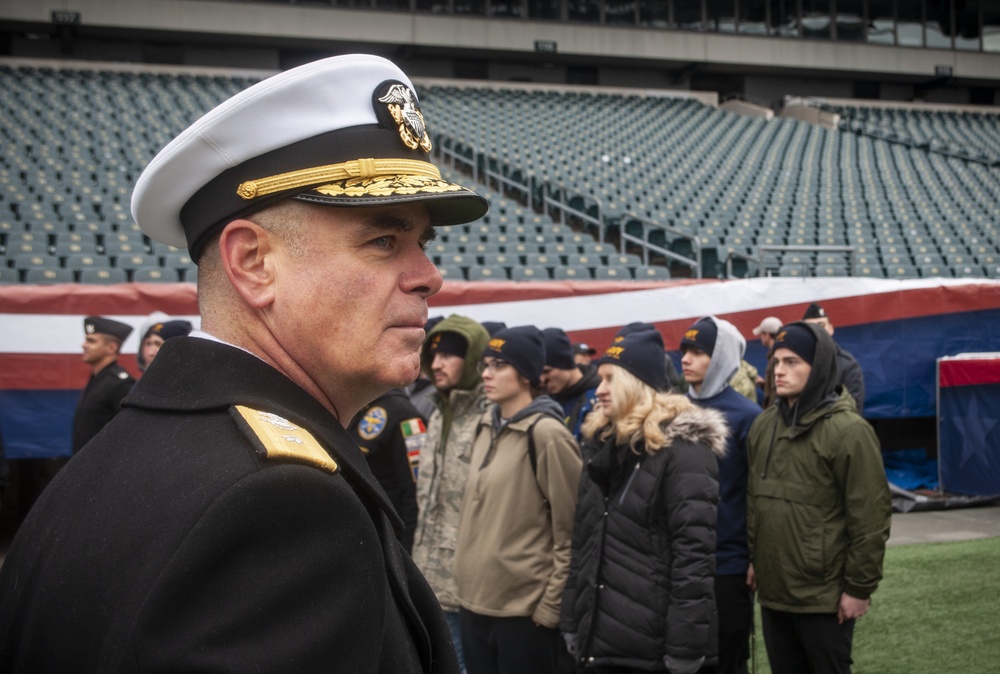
x=280, y=439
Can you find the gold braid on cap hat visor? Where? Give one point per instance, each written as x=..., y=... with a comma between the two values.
x=363, y=169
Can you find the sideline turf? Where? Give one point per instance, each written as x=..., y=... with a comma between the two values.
x=936, y=611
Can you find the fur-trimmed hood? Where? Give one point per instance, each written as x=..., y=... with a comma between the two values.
x=701, y=425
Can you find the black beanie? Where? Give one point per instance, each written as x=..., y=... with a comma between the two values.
x=701, y=335
x=641, y=353
x=637, y=326
x=168, y=329
x=814, y=311
x=450, y=343
x=493, y=326
x=798, y=339
x=522, y=347
x=558, y=349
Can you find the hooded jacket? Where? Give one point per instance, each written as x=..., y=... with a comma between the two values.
x=642, y=574
x=819, y=506
x=516, y=528
x=444, y=461
x=732, y=556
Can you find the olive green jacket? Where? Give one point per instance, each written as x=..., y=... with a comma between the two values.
x=819, y=506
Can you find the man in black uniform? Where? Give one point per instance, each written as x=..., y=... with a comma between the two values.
x=848, y=369
x=391, y=432
x=109, y=382
x=225, y=520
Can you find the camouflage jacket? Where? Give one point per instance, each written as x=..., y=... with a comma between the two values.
x=744, y=381
x=444, y=468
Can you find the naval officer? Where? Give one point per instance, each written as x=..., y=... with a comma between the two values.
x=109, y=382
x=225, y=520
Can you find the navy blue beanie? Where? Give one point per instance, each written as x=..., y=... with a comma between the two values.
x=701, y=335
x=522, y=347
x=798, y=339
x=558, y=349
x=168, y=329
x=641, y=353
x=637, y=326
x=493, y=326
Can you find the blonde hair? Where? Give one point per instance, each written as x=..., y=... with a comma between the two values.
x=639, y=413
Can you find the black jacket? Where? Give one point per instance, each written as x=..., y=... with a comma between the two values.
x=643, y=567
x=851, y=377
x=180, y=541
x=391, y=432
x=99, y=403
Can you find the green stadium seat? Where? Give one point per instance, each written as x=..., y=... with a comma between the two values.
x=155, y=275
x=572, y=274
x=49, y=276
x=103, y=276
x=484, y=273
x=530, y=273
x=651, y=273
x=613, y=273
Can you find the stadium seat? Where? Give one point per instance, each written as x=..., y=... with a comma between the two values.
x=26, y=261
x=118, y=249
x=9, y=276
x=155, y=275
x=613, y=273
x=572, y=274
x=529, y=273
x=484, y=273
x=499, y=260
x=49, y=276
x=103, y=276
x=448, y=272
x=651, y=273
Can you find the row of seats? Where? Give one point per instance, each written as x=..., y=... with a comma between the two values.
x=685, y=165
x=74, y=142
x=96, y=275
x=548, y=273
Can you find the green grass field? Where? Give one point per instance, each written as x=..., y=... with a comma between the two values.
x=937, y=611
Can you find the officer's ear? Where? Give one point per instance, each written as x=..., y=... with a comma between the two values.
x=245, y=249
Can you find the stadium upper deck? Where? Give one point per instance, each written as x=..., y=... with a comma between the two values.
x=670, y=174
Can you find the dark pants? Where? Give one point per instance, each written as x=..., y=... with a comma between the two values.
x=804, y=643
x=507, y=645
x=734, y=604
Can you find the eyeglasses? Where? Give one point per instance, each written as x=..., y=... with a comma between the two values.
x=494, y=365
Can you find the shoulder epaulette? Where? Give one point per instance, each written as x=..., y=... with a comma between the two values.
x=279, y=439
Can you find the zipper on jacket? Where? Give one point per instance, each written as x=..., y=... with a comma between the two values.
x=631, y=478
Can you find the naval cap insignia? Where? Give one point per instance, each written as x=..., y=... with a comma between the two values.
x=402, y=104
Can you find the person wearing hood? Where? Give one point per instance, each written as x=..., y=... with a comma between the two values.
x=516, y=524
x=819, y=509
x=157, y=329
x=640, y=593
x=571, y=385
x=711, y=350
x=451, y=355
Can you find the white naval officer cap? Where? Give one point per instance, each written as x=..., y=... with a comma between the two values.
x=342, y=131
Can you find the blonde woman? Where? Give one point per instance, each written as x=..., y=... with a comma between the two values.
x=640, y=593
x=516, y=526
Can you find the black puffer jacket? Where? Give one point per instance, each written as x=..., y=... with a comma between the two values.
x=641, y=577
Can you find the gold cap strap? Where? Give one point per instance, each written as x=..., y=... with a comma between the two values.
x=360, y=168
